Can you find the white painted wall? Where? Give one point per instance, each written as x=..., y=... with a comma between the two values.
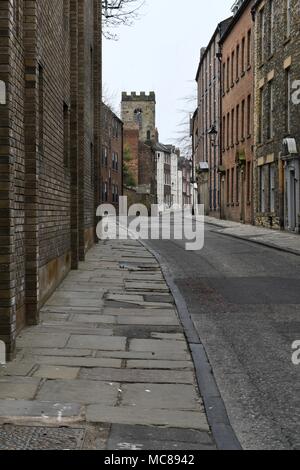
x=160, y=159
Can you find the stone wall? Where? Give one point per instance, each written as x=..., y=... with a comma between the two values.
x=140, y=110
x=271, y=68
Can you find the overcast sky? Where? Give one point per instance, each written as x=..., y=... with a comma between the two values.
x=161, y=53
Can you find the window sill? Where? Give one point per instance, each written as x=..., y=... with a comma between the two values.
x=249, y=68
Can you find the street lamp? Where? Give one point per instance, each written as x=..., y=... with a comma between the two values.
x=213, y=135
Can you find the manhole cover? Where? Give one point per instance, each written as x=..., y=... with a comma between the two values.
x=39, y=438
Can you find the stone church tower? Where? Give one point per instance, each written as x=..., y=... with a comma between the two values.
x=138, y=112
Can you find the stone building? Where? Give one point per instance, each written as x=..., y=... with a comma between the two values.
x=237, y=115
x=50, y=91
x=277, y=114
x=138, y=110
x=140, y=136
x=111, y=157
x=206, y=119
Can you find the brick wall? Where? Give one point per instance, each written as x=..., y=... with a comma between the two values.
x=237, y=116
x=131, y=144
x=50, y=141
x=111, y=157
x=146, y=166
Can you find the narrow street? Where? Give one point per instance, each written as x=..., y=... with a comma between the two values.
x=244, y=300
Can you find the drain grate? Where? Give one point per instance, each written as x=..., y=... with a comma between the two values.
x=40, y=438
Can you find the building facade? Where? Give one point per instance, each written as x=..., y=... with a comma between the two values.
x=186, y=169
x=237, y=87
x=50, y=94
x=277, y=114
x=207, y=119
x=111, y=157
x=163, y=177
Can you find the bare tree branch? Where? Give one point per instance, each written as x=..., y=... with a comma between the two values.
x=118, y=13
x=183, y=137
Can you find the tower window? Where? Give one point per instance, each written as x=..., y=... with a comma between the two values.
x=138, y=116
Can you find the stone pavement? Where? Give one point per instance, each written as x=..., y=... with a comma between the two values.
x=284, y=241
x=108, y=367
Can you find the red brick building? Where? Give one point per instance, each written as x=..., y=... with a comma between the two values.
x=50, y=71
x=237, y=115
x=206, y=118
x=112, y=157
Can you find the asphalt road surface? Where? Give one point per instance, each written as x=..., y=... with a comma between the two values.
x=244, y=300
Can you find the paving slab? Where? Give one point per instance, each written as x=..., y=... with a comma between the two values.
x=82, y=287
x=57, y=317
x=157, y=345
x=91, y=329
x=30, y=352
x=62, y=300
x=151, y=417
x=66, y=294
x=144, y=364
x=139, y=312
x=161, y=396
x=124, y=298
x=125, y=437
x=57, y=372
x=169, y=336
x=18, y=388
x=78, y=361
x=17, y=368
x=160, y=356
x=97, y=342
x=146, y=286
x=32, y=339
x=81, y=318
x=11, y=409
x=146, y=320
x=79, y=391
x=138, y=376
